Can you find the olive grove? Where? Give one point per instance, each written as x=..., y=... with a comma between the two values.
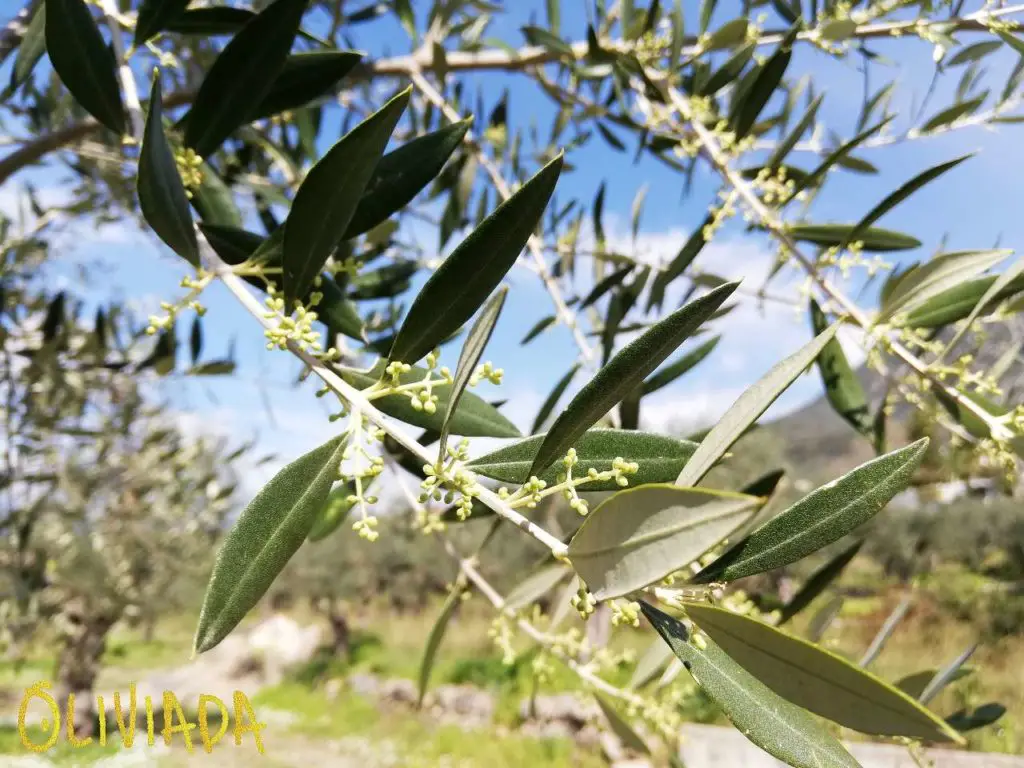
x=276, y=160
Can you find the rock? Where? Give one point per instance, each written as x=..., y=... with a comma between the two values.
x=399, y=690
x=575, y=711
x=364, y=685
x=283, y=643
x=466, y=701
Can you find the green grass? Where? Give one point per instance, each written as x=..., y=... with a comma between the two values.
x=418, y=740
x=62, y=753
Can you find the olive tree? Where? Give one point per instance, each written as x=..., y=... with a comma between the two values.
x=106, y=500
x=211, y=121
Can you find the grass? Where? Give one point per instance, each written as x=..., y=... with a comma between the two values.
x=413, y=739
x=62, y=753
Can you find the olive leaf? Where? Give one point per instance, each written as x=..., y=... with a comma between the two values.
x=914, y=685
x=242, y=75
x=474, y=347
x=154, y=16
x=818, y=582
x=623, y=730
x=840, y=154
x=690, y=250
x=946, y=675
x=553, y=397
x=819, y=518
x=660, y=458
x=162, y=197
x=748, y=408
x=303, y=78
x=873, y=238
x=791, y=139
x=213, y=200
x=328, y=196
x=535, y=586
x=641, y=535
x=769, y=77
x=624, y=373
x=268, y=532
x=437, y=632
x=820, y=681
x=539, y=327
x=404, y=173
x=651, y=662
x=335, y=510
x=31, y=50
x=901, y=194
x=951, y=114
x=843, y=389
x=958, y=302
x=473, y=418
x=474, y=269
x=673, y=371
x=728, y=72
x=83, y=62
x=215, y=20
x=1003, y=282
x=780, y=728
x=945, y=271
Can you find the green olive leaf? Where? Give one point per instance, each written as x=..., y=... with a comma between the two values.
x=154, y=16
x=473, y=418
x=31, y=50
x=539, y=327
x=652, y=661
x=901, y=194
x=930, y=279
x=402, y=174
x=242, y=75
x=951, y=114
x=623, y=373
x=817, y=680
x=684, y=364
x=641, y=535
x=437, y=632
x=623, y=730
x=327, y=199
x=843, y=389
x=472, y=350
x=957, y=302
x=334, y=512
x=268, y=532
x=162, y=197
x=474, y=269
x=780, y=728
x=818, y=582
x=213, y=200
x=873, y=238
x=217, y=20
x=819, y=518
x=83, y=62
x=660, y=458
x=553, y=397
x=748, y=408
x=303, y=78
x=690, y=250
x=535, y=586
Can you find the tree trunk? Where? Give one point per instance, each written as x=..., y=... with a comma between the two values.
x=341, y=635
x=84, y=638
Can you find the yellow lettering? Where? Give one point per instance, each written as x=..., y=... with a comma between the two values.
x=38, y=690
x=73, y=739
x=128, y=729
x=204, y=725
x=101, y=720
x=172, y=708
x=242, y=706
x=149, y=722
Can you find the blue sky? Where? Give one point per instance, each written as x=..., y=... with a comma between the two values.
x=976, y=205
